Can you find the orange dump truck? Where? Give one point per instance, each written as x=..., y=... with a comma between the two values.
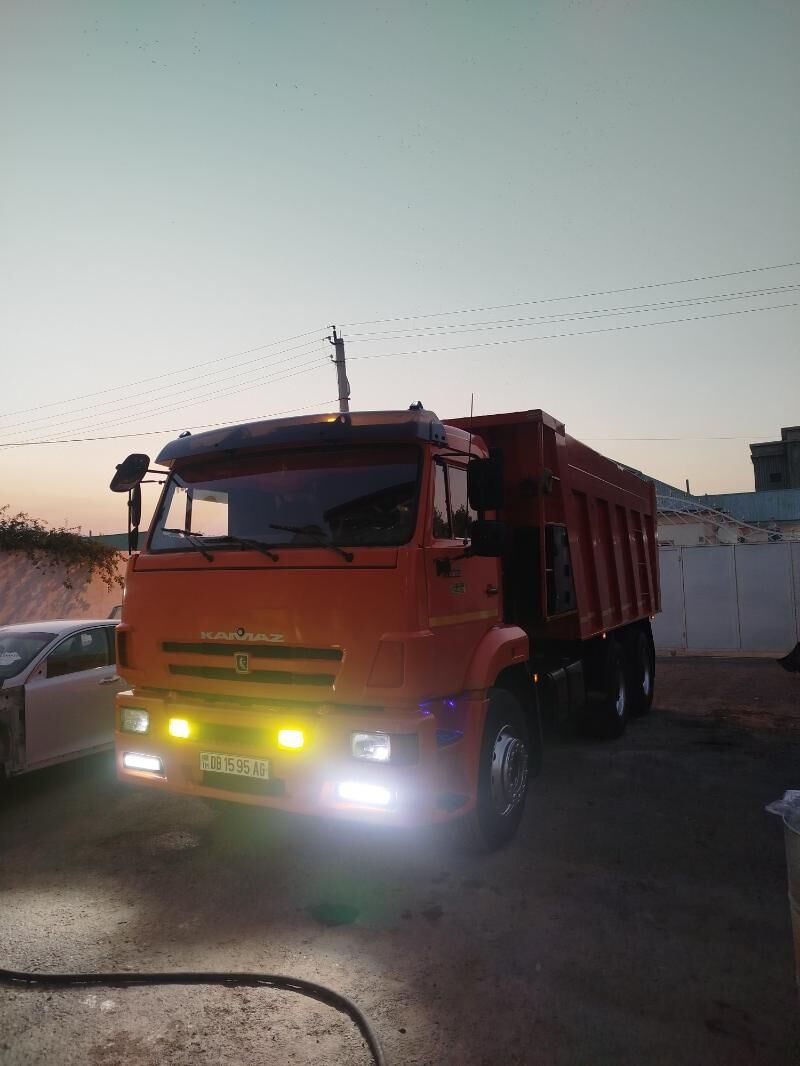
x=366, y=615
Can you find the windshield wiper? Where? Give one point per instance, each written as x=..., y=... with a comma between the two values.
x=192, y=540
x=247, y=542
x=318, y=535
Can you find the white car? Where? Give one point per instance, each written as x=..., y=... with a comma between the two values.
x=58, y=681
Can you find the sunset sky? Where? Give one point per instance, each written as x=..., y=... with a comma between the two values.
x=192, y=194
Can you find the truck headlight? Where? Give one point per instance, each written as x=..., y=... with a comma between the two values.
x=377, y=747
x=368, y=795
x=132, y=760
x=134, y=720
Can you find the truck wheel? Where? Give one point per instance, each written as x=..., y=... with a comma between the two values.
x=502, y=775
x=607, y=714
x=641, y=672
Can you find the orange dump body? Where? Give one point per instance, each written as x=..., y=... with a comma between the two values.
x=599, y=570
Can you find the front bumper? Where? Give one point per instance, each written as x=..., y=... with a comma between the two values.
x=437, y=787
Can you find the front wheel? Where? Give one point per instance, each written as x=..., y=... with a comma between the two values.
x=503, y=775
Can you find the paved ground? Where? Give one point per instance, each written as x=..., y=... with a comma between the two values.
x=640, y=917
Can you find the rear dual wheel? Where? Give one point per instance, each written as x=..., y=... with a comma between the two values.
x=607, y=712
x=641, y=663
x=625, y=683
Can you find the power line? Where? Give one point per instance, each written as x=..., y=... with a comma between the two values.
x=574, y=333
x=159, y=432
x=320, y=406
x=445, y=330
x=166, y=374
x=578, y=296
x=305, y=369
x=740, y=436
x=23, y=427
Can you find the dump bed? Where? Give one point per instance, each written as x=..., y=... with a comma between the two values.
x=582, y=555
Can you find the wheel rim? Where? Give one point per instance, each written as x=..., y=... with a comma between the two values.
x=619, y=705
x=509, y=771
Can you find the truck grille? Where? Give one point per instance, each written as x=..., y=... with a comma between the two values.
x=256, y=651
x=259, y=668
x=240, y=735
x=255, y=677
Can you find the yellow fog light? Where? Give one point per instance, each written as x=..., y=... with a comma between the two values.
x=291, y=738
x=179, y=727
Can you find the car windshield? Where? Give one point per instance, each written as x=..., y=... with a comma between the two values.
x=17, y=650
x=342, y=496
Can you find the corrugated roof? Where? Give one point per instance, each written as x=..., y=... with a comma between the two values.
x=777, y=505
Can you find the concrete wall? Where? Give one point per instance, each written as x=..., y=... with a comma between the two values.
x=29, y=594
x=738, y=599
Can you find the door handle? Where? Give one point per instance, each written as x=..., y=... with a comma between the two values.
x=492, y=590
x=110, y=680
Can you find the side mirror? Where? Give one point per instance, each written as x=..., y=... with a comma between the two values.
x=134, y=517
x=485, y=483
x=135, y=505
x=130, y=473
x=487, y=538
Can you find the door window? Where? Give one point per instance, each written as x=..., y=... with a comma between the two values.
x=452, y=514
x=112, y=644
x=82, y=651
x=441, y=519
x=461, y=514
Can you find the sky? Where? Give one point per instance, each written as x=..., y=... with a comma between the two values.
x=193, y=193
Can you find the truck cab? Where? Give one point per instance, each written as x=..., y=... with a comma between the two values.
x=316, y=624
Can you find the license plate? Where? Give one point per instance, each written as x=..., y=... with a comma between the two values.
x=239, y=765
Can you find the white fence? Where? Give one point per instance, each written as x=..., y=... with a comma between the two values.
x=739, y=598
x=30, y=594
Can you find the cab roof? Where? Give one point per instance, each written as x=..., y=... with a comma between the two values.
x=357, y=427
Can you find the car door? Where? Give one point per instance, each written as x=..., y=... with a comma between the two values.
x=69, y=698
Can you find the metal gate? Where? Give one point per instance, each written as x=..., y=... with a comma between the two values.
x=729, y=598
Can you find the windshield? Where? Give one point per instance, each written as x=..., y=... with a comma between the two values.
x=343, y=496
x=17, y=650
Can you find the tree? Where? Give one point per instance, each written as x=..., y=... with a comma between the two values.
x=48, y=547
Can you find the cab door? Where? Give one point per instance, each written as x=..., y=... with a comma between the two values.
x=69, y=698
x=463, y=592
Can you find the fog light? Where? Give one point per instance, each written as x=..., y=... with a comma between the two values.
x=291, y=738
x=369, y=795
x=134, y=720
x=133, y=761
x=374, y=746
x=179, y=727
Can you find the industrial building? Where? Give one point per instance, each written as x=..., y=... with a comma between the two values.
x=776, y=464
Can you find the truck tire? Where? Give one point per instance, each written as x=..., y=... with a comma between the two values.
x=503, y=776
x=641, y=662
x=607, y=713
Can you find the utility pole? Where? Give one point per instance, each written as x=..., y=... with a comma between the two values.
x=341, y=371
